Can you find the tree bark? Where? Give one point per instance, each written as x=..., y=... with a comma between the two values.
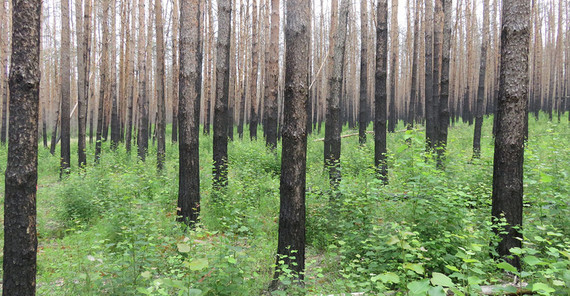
x=443, y=109
x=104, y=81
x=20, y=236
x=142, y=138
x=83, y=20
x=65, y=89
x=272, y=80
x=333, y=123
x=507, y=201
x=393, y=119
x=481, y=92
x=189, y=111
x=429, y=111
x=254, y=100
x=291, y=241
x=380, y=93
x=220, y=141
x=363, y=100
x=175, y=69
x=161, y=102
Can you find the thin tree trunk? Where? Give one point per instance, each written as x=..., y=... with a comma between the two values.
x=380, y=93
x=20, y=236
x=507, y=200
x=443, y=109
x=254, y=112
x=363, y=100
x=291, y=241
x=65, y=88
x=272, y=80
x=429, y=111
x=175, y=70
x=104, y=81
x=161, y=102
x=143, y=55
x=333, y=123
x=220, y=143
x=393, y=119
x=481, y=92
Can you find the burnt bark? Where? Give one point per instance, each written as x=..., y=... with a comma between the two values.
x=380, y=100
x=143, y=52
x=507, y=201
x=161, y=101
x=220, y=141
x=65, y=89
x=291, y=241
x=83, y=18
x=363, y=99
x=104, y=81
x=333, y=122
x=175, y=70
x=254, y=101
x=443, y=108
x=428, y=104
x=272, y=80
x=20, y=236
x=189, y=111
x=481, y=92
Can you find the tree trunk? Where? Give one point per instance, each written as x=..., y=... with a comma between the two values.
x=254, y=112
x=443, y=110
x=189, y=115
x=507, y=200
x=131, y=79
x=161, y=102
x=481, y=92
x=65, y=88
x=380, y=93
x=412, y=112
x=175, y=70
x=104, y=81
x=20, y=236
x=333, y=123
x=220, y=142
x=429, y=111
x=272, y=80
x=363, y=100
x=393, y=119
x=291, y=241
x=143, y=55
x=83, y=21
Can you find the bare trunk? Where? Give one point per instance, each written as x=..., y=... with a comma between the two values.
x=161, y=101
x=380, y=93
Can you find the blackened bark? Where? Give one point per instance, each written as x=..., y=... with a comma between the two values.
x=44, y=128
x=392, y=120
x=84, y=40
x=333, y=123
x=412, y=111
x=54, y=132
x=428, y=104
x=437, y=66
x=443, y=110
x=291, y=241
x=161, y=101
x=65, y=88
x=189, y=111
x=481, y=91
x=5, y=104
x=142, y=138
x=272, y=80
x=380, y=93
x=509, y=142
x=20, y=236
x=103, y=87
x=254, y=69
x=363, y=100
x=220, y=141
x=175, y=70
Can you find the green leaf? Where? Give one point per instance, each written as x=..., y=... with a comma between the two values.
x=146, y=274
x=440, y=279
x=198, y=264
x=418, y=287
x=232, y=260
x=452, y=268
x=532, y=260
x=436, y=291
x=544, y=178
x=393, y=240
x=418, y=268
x=194, y=292
x=389, y=277
x=506, y=266
x=542, y=287
x=183, y=248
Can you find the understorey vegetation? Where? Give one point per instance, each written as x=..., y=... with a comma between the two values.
x=110, y=228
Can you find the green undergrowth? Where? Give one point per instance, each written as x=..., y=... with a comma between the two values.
x=109, y=228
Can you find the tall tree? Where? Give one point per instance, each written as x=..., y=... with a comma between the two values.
x=143, y=53
x=65, y=88
x=507, y=199
x=254, y=112
x=443, y=108
x=189, y=111
x=161, y=102
x=272, y=80
x=363, y=100
x=20, y=236
x=83, y=21
x=481, y=92
x=220, y=141
x=291, y=241
x=175, y=69
x=104, y=80
x=414, y=97
x=5, y=49
x=333, y=123
x=380, y=103
x=392, y=120
x=429, y=110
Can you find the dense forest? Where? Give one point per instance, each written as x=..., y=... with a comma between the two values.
x=267, y=147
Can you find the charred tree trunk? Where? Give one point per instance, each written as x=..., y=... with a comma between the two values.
x=254, y=101
x=291, y=241
x=481, y=91
x=20, y=236
x=142, y=138
x=363, y=100
x=443, y=110
x=189, y=115
x=272, y=80
x=429, y=111
x=333, y=123
x=161, y=101
x=509, y=142
x=393, y=119
x=175, y=70
x=103, y=87
x=65, y=89
x=220, y=142
x=380, y=93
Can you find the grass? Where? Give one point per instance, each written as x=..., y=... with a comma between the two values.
x=111, y=230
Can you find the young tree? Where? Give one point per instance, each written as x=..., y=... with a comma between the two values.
x=291, y=241
x=20, y=236
x=65, y=88
x=254, y=101
x=220, y=141
x=189, y=111
x=333, y=123
x=363, y=100
x=481, y=92
x=161, y=102
x=507, y=200
x=380, y=96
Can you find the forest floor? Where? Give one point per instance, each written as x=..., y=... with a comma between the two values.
x=111, y=230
